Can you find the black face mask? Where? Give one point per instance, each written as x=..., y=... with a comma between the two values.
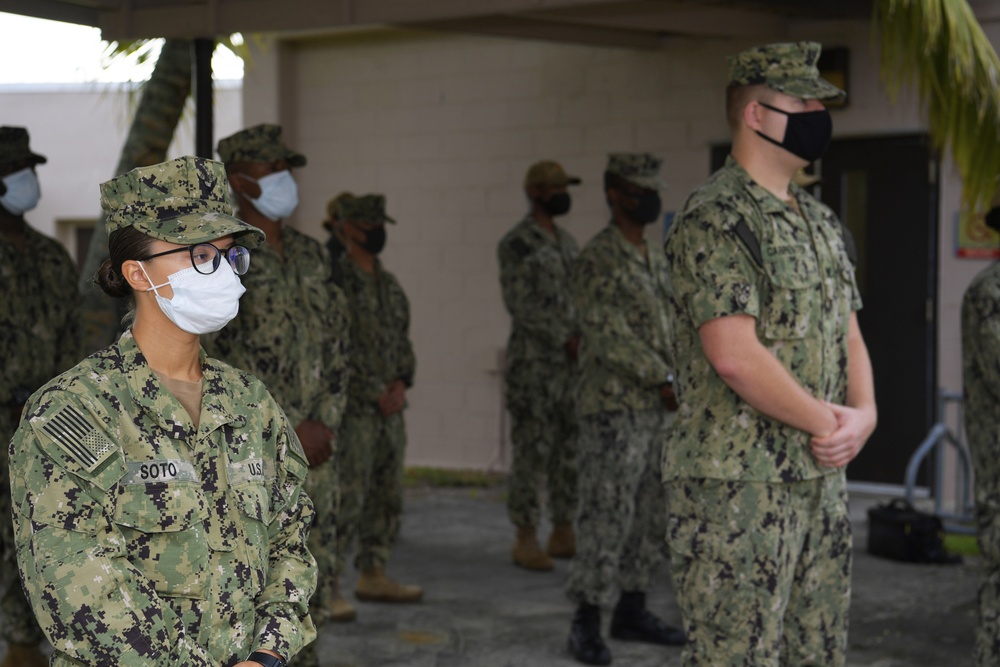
x=557, y=204
x=647, y=207
x=807, y=133
x=374, y=240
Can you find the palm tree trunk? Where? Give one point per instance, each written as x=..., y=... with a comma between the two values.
x=156, y=118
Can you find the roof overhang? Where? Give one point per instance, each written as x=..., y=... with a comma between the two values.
x=638, y=23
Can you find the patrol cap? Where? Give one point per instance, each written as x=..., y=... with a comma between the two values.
x=184, y=201
x=547, y=172
x=788, y=67
x=14, y=146
x=366, y=208
x=640, y=169
x=260, y=143
x=333, y=208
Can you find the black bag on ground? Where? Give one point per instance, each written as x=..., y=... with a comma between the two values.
x=899, y=531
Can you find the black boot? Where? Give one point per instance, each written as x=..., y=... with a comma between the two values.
x=633, y=622
x=585, y=641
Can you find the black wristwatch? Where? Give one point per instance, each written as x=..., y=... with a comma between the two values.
x=266, y=659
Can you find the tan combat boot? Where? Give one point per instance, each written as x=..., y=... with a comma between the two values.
x=24, y=655
x=528, y=554
x=374, y=586
x=341, y=611
x=562, y=541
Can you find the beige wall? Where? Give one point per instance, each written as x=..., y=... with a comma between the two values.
x=81, y=129
x=445, y=125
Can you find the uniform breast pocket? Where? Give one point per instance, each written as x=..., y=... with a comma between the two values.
x=252, y=502
x=790, y=307
x=164, y=524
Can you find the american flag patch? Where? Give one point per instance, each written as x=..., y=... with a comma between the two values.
x=78, y=437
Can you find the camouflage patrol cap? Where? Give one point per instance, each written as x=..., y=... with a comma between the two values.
x=367, y=208
x=14, y=146
x=333, y=209
x=184, y=201
x=789, y=68
x=549, y=173
x=640, y=169
x=260, y=143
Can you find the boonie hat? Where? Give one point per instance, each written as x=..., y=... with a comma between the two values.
x=184, y=201
x=367, y=208
x=14, y=146
x=789, y=68
x=547, y=172
x=260, y=143
x=640, y=169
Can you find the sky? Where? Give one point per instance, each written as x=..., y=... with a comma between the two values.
x=39, y=51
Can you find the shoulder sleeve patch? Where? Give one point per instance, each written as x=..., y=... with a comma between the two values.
x=80, y=439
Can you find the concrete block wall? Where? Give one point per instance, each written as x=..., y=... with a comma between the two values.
x=446, y=125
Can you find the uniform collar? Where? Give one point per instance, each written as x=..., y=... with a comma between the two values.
x=159, y=404
x=766, y=201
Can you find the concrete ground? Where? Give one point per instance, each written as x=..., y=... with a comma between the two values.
x=481, y=611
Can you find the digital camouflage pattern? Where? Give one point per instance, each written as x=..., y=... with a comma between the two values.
x=364, y=208
x=371, y=451
x=183, y=201
x=802, y=300
x=260, y=143
x=371, y=462
x=620, y=298
x=14, y=146
x=789, y=68
x=981, y=380
x=621, y=524
x=640, y=169
x=292, y=332
x=734, y=579
x=733, y=471
x=143, y=542
x=39, y=338
x=535, y=273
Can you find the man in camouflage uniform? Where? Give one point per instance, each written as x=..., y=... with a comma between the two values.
x=372, y=437
x=775, y=385
x=981, y=379
x=291, y=332
x=39, y=329
x=536, y=259
x=624, y=398
x=149, y=533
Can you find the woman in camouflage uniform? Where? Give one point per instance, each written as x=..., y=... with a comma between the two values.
x=158, y=505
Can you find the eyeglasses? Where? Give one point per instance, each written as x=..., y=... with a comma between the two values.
x=206, y=258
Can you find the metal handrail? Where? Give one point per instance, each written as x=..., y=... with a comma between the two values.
x=939, y=436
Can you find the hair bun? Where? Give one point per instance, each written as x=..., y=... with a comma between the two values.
x=111, y=281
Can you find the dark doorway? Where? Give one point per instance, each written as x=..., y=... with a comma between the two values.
x=885, y=189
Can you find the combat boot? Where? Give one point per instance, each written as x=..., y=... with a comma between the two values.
x=585, y=642
x=527, y=553
x=562, y=541
x=24, y=655
x=633, y=622
x=374, y=586
x=341, y=611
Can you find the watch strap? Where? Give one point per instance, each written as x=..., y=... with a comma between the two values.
x=266, y=659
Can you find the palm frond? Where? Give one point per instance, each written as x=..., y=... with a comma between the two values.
x=939, y=46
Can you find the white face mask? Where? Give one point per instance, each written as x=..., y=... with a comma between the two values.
x=202, y=303
x=22, y=191
x=279, y=196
